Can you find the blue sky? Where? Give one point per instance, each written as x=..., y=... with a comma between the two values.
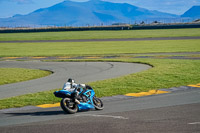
x=8, y=8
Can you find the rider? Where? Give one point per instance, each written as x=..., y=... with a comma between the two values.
x=71, y=86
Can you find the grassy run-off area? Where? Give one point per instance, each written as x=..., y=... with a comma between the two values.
x=100, y=34
x=97, y=48
x=13, y=75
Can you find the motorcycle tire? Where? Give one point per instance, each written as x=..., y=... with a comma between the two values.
x=98, y=104
x=68, y=106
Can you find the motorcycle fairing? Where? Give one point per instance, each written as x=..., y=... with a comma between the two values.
x=89, y=104
x=62, y=93
x=85, y=106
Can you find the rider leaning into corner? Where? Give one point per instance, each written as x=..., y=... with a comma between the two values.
x=78, y=97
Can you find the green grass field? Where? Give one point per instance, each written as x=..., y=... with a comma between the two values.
x=97, y=48
x=13, y=75
x=100, y=34
x=165, y=73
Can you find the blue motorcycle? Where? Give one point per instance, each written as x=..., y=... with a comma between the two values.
x=81, y=98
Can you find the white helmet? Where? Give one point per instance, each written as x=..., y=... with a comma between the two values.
x=71, y=80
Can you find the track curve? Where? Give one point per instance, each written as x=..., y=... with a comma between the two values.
x=82, y=72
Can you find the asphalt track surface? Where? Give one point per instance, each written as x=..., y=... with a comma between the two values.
x=176, y=112
x=175, y=55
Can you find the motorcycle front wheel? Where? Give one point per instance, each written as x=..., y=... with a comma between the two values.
x=68, y=106
x=98, y=104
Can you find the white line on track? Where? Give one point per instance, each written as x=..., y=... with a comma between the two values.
x=106, y=116
x=194, y=123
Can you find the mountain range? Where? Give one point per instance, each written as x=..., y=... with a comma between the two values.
x=193, y=12
x=93, y=12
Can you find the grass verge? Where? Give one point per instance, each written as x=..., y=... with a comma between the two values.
x=166, y=73
x=13, y=75
x=100, y=34
x=97, y=48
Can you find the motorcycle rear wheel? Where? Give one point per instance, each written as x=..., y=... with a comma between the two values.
x=68, y=106
x=98, y=104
